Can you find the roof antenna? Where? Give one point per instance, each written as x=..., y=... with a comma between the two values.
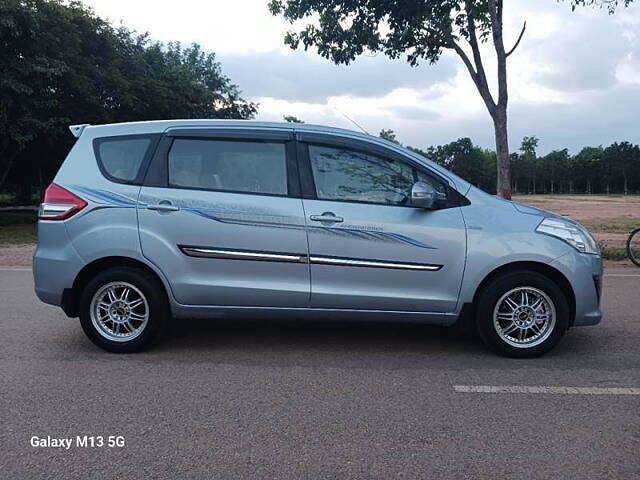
x=351, y=120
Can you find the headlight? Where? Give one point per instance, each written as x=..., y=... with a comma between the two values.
x=572, y=233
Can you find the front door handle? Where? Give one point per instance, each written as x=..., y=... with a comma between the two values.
x=326, y=217
x=163, y=206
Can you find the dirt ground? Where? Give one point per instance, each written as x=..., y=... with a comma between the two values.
x=610, y=218
x=16, y=255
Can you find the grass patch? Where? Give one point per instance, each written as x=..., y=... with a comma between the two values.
x=612, y=253
x=18, y=227
x=18, y=234
x=614, y=225
x=7, y=199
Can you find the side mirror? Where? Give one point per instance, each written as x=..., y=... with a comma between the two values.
x=423, y=195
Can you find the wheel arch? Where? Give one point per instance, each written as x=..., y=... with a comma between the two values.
x=544, y=269
x=71, y=296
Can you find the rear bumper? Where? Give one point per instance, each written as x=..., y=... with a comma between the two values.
x=584, y=273
x=55, y=263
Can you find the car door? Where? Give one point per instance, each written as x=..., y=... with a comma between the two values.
x=220, y=213
x=369, y=249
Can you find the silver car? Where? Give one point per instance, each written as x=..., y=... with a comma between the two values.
x=202, y=218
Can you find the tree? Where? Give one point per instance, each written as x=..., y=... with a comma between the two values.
x=554, y=166
x=610, y=5
x=465, y=159
x=292, y=119
x=422, y=30
x=389, y=135
x=60, y=64
x=586, y=164
x=621, y=158
x=529, y=161
x=419, y=29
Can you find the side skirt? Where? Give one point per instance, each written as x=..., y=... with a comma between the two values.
x=243, y=312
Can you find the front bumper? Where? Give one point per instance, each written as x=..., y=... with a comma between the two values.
x=584, y=272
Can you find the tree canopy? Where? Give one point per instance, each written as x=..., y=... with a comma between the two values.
x=611, y=170
x=292, y=119
x=60, y=64
x=610, y=5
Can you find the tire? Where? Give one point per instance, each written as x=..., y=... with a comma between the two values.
x=633, y=243
x=132, y=320
x=522, y=314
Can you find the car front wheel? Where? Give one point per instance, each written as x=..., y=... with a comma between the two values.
x=522, y=314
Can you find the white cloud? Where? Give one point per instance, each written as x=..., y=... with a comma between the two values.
x=573, y=81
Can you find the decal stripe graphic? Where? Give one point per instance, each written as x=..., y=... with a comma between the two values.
x=108, y=199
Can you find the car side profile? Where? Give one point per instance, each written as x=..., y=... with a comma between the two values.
x=150, y=221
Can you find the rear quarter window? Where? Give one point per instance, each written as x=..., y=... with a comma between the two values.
x=121, y=158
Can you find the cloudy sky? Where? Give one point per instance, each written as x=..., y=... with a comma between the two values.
x=574, y=80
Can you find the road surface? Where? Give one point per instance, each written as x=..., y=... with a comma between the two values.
x=288, y=399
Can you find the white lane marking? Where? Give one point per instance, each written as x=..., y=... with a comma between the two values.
x=548, y=390
x=14, y=269
x=620, y=275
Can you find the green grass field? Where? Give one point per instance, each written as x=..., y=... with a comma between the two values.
x=17, y=227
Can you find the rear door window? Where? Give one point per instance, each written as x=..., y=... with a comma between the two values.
x=228, y=166
x=120, y=158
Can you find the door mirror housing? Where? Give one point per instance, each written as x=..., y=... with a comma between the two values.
x=423, y=195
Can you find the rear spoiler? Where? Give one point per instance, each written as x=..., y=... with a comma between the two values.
x=77, y=130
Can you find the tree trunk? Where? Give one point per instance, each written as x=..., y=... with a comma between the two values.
x=497, y=109
x=503, y=187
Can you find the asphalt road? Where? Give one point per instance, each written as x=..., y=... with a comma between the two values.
x=246, y=399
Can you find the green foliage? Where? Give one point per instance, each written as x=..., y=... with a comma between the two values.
x=347, y=28
x=592, y=170
x=61, y=65
x=388, y=135
x=528, y=146
x=292, y=119
x=611, y=252
x=610, y=5
x=467, y=160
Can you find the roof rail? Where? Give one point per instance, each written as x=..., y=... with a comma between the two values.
x=77, y=130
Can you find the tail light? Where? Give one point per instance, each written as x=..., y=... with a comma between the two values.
x=59, y=204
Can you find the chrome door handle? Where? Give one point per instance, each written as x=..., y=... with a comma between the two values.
x=163, y=206
x=326, y=217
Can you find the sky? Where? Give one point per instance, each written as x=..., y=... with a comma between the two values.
x=574, y=80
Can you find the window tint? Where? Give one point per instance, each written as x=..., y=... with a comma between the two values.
x=252, y=167
x=347, y=175
x=121, y=158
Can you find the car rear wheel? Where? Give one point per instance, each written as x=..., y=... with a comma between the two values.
x=122, y=309
x=522, y=314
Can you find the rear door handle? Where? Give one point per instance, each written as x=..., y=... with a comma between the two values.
x=163, y=206
x=326, y=217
